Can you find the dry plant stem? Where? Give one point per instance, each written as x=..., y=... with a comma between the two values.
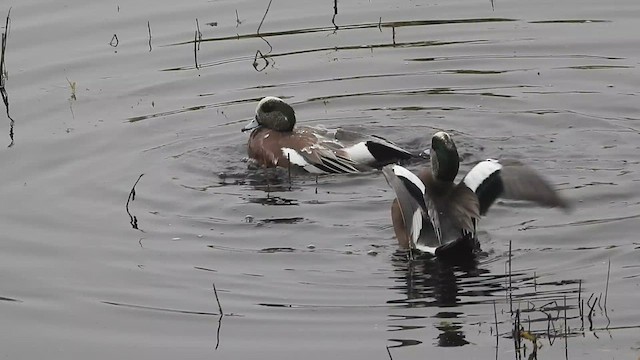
x=289, y=169
x=566, y=330
x=509, y=277
x=199, y=33
x=215, y=292
x=196, y=44
x=263, y=17
x=133, y=220
x=149, y=28
x=5, y=34
x=3, y=72
x=606, y=289
x=265, y=40
x=335, y=13
x=495, y=317
x=221, y=315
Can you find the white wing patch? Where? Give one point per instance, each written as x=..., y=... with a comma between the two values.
x=360, y=153
x=297, y=159
x=400, y=171
x=416, y=226
x=480, y=173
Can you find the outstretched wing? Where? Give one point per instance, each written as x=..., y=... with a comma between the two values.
x=415, y=206
x=510, y=179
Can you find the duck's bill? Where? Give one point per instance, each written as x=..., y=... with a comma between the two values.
x=251, y=125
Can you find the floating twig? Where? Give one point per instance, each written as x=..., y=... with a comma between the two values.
x=389, y=352
x=133, y=220
x=380, y=24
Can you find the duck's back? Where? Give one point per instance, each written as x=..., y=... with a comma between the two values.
x=457, y=207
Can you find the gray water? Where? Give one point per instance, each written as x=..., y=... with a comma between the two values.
x=317, y=273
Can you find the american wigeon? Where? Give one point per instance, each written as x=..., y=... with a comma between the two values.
x=433, y=214
x=275, y=141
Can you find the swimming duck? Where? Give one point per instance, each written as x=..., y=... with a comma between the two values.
x=433, y=214
x=275, y=141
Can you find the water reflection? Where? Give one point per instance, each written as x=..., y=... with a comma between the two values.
x=453, y=289
x=428, y=282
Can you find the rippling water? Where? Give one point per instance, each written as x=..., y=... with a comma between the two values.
x=104, y=92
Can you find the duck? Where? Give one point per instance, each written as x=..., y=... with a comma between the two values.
x=434, y=215
x=275, y=141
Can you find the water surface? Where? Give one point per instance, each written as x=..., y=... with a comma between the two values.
x=314, y=269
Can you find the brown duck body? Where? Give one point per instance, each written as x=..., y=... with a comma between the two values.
x=276, y=142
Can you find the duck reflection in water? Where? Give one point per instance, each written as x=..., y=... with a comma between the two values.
x=263, y=180
x=430, y=282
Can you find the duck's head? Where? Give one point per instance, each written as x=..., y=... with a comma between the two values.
x=444, y=157
x=273, y=113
